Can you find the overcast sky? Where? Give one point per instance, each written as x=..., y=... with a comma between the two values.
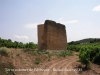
x=19, y=18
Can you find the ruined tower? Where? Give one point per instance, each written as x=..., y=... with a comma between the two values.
x=52, y=36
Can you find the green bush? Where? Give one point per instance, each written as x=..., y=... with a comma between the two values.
x=65, y=53
x=84, y=57
x=4, y=51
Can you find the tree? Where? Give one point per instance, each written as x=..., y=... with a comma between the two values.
x=15, y=44
x=31, y=45
x=8, y=43
x=84, y=56
x=20, y=45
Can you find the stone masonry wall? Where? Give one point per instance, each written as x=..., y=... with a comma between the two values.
x=40, y=34
x=54, y=36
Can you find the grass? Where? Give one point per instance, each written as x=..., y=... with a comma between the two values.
x=17, y=54
x=4, y=66
x=37, y=61
x=39, y=55
x=42, y=55
x=64, y=53
x=30, y=51
x=35, y=52
x=24, y=62
x=4, y=51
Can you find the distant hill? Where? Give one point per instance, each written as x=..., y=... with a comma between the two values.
x=87, y=40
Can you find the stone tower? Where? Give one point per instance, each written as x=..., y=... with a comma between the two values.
x=52, y=36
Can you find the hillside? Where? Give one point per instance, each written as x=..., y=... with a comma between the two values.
x=87, y=40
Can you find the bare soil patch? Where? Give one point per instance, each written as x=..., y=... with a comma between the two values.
x=58, y=66
x=54, y=66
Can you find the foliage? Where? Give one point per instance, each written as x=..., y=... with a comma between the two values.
x=84, y=41
x=30, y=51
x=37, y=61
x=9, y=44
x=35, y=52
x=87, y=52
x=64, y=53
x=4, y=66
x=4, y=51
x=85, y=56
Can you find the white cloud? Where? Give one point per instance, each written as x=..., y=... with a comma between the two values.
x=97, y=8
x=31, y=26
x=20, y=37
x=34, y=25
x=69, y=22
x=60, y=18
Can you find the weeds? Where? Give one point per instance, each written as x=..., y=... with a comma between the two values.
x=4, y=51
x=18, y=55
x=64, y=53
x=30, y=51
x=37, y=61
x=32, y=67
x=35, y=52
x=24, y=62
x=4, y=67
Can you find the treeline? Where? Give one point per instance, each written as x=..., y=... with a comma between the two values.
x=9, y=44
x=95, y=40
x=85, y=41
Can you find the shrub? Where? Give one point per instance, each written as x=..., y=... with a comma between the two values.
x=84, y=56
x=26, y=50
x=4, y=66
x=4, y=51
x=42, y=52
x=37, y=61
x=65, y=53
x=30, y=51
x=35, y=52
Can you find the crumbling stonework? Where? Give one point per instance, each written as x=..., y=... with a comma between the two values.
x=40, y=34
x=52, y=36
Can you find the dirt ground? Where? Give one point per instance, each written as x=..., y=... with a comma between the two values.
x=64, y=66
x=55, y=66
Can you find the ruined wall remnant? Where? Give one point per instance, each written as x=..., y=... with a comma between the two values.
x=40, y=34
x=52, y=36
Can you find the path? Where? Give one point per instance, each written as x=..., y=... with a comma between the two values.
x=59, y=64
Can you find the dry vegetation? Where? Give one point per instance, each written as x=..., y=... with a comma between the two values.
x=29, y=58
